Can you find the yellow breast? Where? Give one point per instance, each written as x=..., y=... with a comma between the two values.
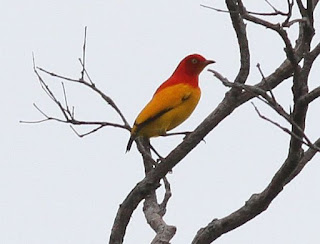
x=167, y=109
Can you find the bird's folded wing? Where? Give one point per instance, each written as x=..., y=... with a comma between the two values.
x=164, y=101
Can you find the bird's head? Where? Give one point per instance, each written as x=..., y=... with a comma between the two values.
x=192, y=65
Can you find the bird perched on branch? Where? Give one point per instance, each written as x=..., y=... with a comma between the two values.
x=173, y=102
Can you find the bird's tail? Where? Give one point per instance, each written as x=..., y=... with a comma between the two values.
x=130, y=143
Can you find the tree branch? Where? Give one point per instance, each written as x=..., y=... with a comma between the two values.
x=225, y=108
x=238, y=94
x=154, y=214
x=256, y=204
x=286, y=130
x=83, y=71
x=154, y=211
x=68, y=115
x=240, y=29
x=307, y=156
x=275, y=27
x=93, y=87
x=311, y=96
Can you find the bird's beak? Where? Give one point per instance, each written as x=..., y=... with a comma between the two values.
x=207, y=62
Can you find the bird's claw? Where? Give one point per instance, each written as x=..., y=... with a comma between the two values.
x=186, y=135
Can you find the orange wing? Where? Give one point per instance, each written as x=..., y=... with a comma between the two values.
x=167, y=109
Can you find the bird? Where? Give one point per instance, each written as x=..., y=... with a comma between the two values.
x=173, y=102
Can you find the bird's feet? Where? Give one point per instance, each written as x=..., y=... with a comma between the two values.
x=185, y=133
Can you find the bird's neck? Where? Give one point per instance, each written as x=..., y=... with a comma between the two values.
x=176, y=79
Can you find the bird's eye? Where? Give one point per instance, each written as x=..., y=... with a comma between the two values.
x=194, y=60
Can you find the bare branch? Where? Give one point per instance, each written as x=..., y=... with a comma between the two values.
x=307, y=156
x=144, y=190
x=85, y=71
x=74, y=121
x=153, y=214
x=289, y=14
x=302, y=9
x=45, y=115
x=84, y=54
x=265, y=80
x=256, y=204
x=275, y=27
x=274, y=9
x=154, y=173
x=66, y=100
x=167, y=196
x=286, y=130
x=240, y=29
x=312, y=55
x=94, y=88
x=59, y=76
x=311, y=96
x=292, y=22
x=87, y=133
x=151, y=181
x=67, y=113
x=260, y=202
x=216, y=9
x=154, y=211
x=47, y=90
x=275, y=13
x=271, y=101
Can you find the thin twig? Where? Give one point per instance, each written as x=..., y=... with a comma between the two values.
x=84, y=53
x=216, y=9
x=60, y=76
x=47, y=90
x=87, y=74
x=87, y=133
x=250, y=12
x=94, y=88
x=275, y=27
x=267, y=83
x=286, y=130
x=287, y=20
x=74, y=121
x=274, y=9
x=43, y=113
x=65, y=98
x=271, y=101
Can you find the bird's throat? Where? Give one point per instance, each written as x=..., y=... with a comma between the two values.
x=180, y=79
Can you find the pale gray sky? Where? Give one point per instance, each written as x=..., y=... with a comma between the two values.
x=58, y=188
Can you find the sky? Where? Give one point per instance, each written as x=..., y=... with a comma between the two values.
x=58, y=188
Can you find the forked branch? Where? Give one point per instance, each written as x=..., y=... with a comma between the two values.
x=68, y=114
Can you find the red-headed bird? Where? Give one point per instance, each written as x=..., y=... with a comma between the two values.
x=173, y=102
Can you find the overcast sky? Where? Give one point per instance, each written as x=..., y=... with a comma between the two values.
x=58, y=188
